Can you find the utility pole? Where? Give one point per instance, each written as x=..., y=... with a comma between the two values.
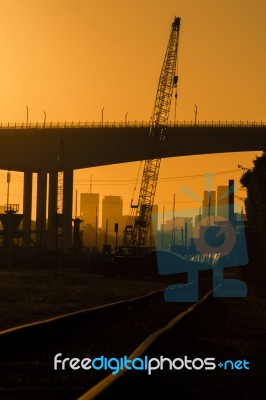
x=102, y=116
x=196, y=114
x=173, y=226
x=162, y=229
x=27, y=116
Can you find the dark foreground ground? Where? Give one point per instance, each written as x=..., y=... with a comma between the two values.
x=224, y=329
x=29, y=295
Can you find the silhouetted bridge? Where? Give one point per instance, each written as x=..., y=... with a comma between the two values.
x=48, y=148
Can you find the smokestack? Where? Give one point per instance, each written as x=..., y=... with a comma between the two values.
x=231, y=210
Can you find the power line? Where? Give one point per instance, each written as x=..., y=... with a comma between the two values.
x=101, y=182
x=19, y=177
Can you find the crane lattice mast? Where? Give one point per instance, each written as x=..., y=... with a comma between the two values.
x=138, y=225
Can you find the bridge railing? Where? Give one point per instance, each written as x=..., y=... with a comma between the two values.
x=129, y=124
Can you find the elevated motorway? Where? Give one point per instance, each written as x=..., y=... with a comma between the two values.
x=47, y=149
x=53, y=147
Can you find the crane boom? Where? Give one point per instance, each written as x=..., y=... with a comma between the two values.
x=136, y=231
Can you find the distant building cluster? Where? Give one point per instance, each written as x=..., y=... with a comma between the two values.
x=178, y=230
x=103, y=223
x=217, y=206
x=111, y=214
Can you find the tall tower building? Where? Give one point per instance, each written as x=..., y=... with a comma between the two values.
x=112, y=211
x=89, y=208
x=208, y=204
x=223, y=201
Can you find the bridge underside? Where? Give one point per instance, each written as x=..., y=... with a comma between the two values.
x=47, y=151
x=73, y=148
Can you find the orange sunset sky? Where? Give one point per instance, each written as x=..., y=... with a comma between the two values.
x=70, y=58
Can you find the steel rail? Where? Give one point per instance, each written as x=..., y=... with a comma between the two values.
x=96, y=390
x=80, y=312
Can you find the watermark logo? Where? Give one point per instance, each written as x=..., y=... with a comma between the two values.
x=145, y=364
x=212, y=239
x=214, y=235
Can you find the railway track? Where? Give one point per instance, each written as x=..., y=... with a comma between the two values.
x=220, y=329
x=114, y=330
x=106, y=383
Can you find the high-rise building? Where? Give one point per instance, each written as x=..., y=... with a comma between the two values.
x=223, y=201
x=208, y=204
x=89, y=208
x=112, y=210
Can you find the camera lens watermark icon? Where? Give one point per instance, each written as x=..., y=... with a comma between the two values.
x=219, y=241
x=212, y=236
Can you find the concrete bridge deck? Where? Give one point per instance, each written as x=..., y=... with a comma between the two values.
x=49, y=148
x=64, y=146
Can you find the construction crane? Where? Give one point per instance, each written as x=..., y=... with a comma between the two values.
x=138, y=224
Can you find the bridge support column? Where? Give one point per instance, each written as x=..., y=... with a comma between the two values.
x=41, y=209
x=52, y=210
x=67, y=211
x=27, y=205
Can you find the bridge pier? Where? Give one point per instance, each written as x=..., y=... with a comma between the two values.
x=46, y=236
x=67, y=210
x=27, y=205
x=41, y=209
x=52, y=210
